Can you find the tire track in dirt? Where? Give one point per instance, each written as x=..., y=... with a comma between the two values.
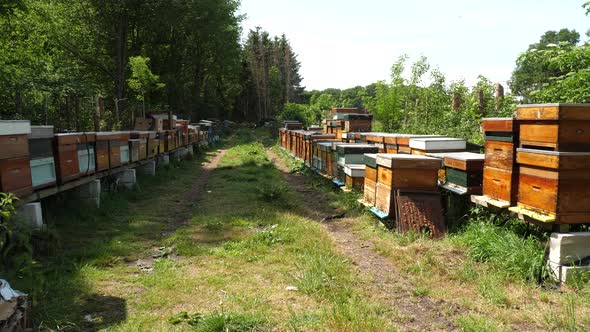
x=381, y=280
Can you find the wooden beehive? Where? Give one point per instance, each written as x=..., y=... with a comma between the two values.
x=102, y=150
x=41, y=157
x=370, y=184
x=403, y=142
x=357, y=122
x=500, y=175
x=560, y=127
x=355, y=176
x=555, y=183
x=464, y=170
x=15, y=169
x=351, y=154
x=66, y=155
x=400, y=171
x=134, y=149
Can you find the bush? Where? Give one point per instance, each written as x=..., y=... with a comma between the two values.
x=16, y=252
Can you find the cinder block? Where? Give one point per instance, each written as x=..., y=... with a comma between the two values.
x=567, y=252
x=90, y=193
x=164, y=160
x=148, y=168
x=90, y=190
x=127, y=178
x=32, y=214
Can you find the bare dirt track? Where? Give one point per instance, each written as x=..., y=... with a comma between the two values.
x=381, y=279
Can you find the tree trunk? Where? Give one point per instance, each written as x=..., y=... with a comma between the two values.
x=121, y=62
x=499, y=96
x=481, y=102
x=456, y=102
x=18, y=101
x=97, y=113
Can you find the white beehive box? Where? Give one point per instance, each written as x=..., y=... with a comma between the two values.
x=438, y=143
x=354, y=170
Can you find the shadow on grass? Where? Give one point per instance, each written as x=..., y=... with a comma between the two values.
x=84, y=240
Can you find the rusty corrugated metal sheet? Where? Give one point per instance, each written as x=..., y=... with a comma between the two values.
x=420, y=212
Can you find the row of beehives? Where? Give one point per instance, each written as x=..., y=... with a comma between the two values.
x=34, y=157
x=536, y=163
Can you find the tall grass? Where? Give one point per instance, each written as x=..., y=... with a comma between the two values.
x=514, y=253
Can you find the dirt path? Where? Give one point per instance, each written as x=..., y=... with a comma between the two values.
x=198, y=186
x=381, y=281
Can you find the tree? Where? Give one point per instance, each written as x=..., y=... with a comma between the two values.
x=556, y=37
x=142, y=80
x=532, y=71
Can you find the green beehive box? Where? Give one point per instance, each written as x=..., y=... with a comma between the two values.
x=463, y=178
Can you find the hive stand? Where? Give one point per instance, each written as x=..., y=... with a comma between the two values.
x=32, y=214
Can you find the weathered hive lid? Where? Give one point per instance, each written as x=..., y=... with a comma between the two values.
x=408, y=161
x=497, y=124
x=354, y=148
x=438, y=143
x=40, y=132
x=553, y=112
x=15, y=127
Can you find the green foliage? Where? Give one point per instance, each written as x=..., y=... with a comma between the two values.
x=477, y=323
x=220, y=322
x=409, y=105
x=505, y=246
x=142, y=79
x=16, y=251
x=57, y=57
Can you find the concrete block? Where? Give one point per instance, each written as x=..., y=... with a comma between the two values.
x=176, y=155
x=148, y=168
x=164, y=160
x=90, y=192
x=32, y=214
x=569, y=254
x=126, y=178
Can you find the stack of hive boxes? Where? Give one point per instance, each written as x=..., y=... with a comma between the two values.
x=500, y=174
x=309, y=138
x=75, y=155
x=86, y=151
x=402, y=171
x=41, y=154
x=463, y=171
x=554, y=161
x=349, y=154
x=370, y=185
x=15, y=170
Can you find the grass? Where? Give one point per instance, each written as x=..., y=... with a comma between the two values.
x=242, y=258
x=489, y=266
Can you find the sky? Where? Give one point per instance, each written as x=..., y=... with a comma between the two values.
x=345, y=43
